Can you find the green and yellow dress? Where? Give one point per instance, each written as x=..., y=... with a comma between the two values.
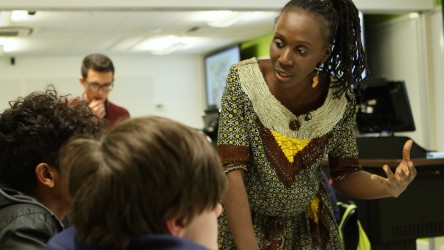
x=282, y=155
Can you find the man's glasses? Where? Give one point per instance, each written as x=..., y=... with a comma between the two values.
x=105, y=87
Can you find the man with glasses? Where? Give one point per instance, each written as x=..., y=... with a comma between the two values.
x=97, y=79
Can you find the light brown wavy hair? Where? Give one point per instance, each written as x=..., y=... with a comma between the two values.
x=141, y=173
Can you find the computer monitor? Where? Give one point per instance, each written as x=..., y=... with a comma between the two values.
x=384, y=108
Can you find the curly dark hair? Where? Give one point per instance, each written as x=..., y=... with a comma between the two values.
x=348, y=59
x=33, y=130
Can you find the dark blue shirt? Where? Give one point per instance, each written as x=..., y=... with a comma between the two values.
x=66, y=240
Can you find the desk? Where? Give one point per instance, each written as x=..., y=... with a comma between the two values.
x=396, y=223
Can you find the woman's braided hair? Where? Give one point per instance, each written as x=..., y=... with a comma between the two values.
x=348, y=59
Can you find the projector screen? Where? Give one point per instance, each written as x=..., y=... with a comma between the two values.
x=217, y=65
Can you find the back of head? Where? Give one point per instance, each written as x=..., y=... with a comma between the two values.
x=348, y=59
x=32, y=131
x=142, y=172
x=97, y=62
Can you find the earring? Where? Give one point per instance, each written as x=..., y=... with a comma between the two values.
x=315, y=78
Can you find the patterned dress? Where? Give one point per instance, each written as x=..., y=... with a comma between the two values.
x=282, y=155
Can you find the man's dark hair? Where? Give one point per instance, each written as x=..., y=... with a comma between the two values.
x=32, y=131
x=97, y=62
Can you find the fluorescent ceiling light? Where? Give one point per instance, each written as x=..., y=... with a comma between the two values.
x=213, y=15
x=5, y=41
x=20, y=15
x=168, y=50
x=158, y=43
x=13, y=44
x=225, y=18
x=161, y=45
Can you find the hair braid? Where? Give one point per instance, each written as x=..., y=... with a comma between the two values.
x=348, y=59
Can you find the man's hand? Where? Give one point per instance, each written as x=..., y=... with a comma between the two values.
x=98, y=107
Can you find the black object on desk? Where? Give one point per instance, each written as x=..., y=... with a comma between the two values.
x=389, y=147
x=396, y=223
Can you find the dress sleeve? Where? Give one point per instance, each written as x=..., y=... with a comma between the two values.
x=232, y=142
x=343, y=158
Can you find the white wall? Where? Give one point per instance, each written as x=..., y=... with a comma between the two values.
x=435, y=73
x=169, y=86
x=412, y=50
x=394, y=52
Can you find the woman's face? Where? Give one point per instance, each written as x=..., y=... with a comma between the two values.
x=298, y=45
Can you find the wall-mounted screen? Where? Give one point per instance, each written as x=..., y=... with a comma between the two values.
x=217, y=66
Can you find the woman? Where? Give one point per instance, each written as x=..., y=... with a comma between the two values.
x=281, y=116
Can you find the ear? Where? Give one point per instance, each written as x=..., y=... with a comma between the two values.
x=45, y=175
x=175, y=227
x=82, y=81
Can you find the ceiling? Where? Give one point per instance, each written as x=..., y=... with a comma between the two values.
x=78, y=27
x=80, y=32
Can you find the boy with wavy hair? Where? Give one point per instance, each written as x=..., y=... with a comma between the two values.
x=148, y=181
